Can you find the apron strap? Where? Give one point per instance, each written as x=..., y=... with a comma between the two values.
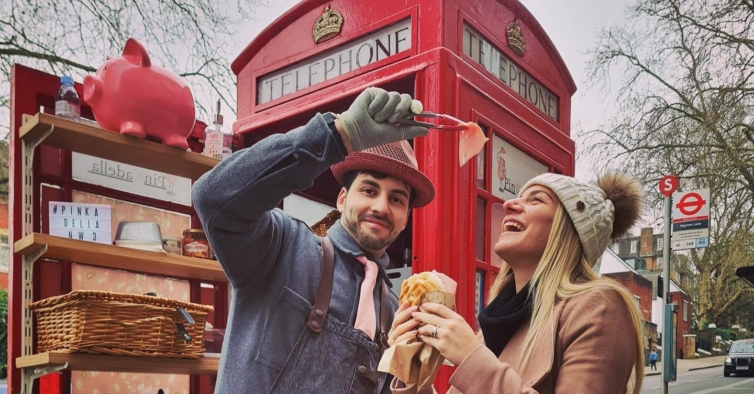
x=385, y=311
x=322, y=302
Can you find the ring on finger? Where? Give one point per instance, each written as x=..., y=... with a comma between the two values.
x=434, y=332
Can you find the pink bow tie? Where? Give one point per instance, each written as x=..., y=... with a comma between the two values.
x=366, y=320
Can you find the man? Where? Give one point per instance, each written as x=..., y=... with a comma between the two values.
x=295, y=325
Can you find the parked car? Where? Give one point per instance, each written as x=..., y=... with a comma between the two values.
x=740, y=359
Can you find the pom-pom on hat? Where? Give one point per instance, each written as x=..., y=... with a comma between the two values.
x=601, y=212
x=396, y=159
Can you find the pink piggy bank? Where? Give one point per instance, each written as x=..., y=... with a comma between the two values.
x=132, y=96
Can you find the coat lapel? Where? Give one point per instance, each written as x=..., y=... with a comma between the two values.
x=543, y=358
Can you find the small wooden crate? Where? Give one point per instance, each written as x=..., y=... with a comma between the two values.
x=102, y=322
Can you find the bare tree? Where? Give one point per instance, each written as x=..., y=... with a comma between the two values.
x=3, y=171
x=191, y=37
x=686, y=98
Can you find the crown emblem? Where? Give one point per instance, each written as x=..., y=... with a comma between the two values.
x=327, y=26
x=516, y=38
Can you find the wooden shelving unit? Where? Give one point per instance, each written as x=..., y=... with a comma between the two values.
x=106, y=363
x=118, y=257
x=83, y=138
x=44, y=129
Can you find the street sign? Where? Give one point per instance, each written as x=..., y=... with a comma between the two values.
x=691, y=234
x=694, y=225
x=668, y=184
x=690, y=206
x=683, y=245
x=690, y=220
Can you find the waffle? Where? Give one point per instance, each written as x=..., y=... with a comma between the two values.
x=417, y=285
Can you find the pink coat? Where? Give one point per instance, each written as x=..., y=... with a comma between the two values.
x=591, y=349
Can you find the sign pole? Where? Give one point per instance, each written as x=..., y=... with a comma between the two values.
x=668, y=185
x=666, y=335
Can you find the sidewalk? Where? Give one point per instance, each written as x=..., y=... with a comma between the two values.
x=691, y=365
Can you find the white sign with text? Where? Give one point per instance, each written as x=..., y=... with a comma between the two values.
x=480, y=50
x=131, y=179
x=511, y=169
x=84, y=222
x=377, y=46
x=691, y=219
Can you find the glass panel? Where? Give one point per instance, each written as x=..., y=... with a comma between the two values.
x=493, y=277
x=496, y=222
x=479, y=296
x=480, y=165
x=481, y=227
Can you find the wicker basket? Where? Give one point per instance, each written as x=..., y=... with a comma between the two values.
x=101, y=322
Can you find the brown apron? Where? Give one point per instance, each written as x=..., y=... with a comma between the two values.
x=332, y=356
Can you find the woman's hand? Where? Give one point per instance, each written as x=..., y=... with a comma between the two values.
x=455, y=339
x=404, y=326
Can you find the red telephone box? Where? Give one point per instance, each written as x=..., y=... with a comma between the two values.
x=486, y=61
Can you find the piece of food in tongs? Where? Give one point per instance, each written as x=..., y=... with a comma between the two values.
x=470, y=143
x=472, y=138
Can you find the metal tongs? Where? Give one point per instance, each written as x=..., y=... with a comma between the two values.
x=460, y=125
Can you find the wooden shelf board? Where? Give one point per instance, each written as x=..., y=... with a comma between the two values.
x=93, y=141
x=106, y=363
x=118, y=257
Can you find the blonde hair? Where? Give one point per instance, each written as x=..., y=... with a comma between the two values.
x=563, y=273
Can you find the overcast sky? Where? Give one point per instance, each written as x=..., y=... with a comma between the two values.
x=573, y=27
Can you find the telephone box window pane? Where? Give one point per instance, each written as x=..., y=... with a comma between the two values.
x=496, y=226
x=305, y=209
x=481, y=227
x=479, y=296
x=480, y=165
x=493, y=278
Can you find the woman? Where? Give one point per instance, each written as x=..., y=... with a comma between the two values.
x=552, y=326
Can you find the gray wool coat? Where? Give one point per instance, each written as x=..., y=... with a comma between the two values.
x=273, y=263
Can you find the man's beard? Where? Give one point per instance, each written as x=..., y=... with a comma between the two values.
x=368, y=241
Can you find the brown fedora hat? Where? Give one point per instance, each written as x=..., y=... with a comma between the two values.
x=396, y=159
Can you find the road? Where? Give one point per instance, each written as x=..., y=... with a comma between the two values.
x=703, y=381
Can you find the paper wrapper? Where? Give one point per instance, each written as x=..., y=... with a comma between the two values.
x=413, y=361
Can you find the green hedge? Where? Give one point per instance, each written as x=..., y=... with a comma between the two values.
x=728, y=335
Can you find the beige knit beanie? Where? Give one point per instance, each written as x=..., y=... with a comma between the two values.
x=599, y=212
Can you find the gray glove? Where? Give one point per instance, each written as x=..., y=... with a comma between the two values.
x=370, y=121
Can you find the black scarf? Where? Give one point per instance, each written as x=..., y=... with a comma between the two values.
x=504, y=315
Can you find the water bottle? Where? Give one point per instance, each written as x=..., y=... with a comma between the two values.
x=218, y=139
x=67, y=103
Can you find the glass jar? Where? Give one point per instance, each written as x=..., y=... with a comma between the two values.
x=172, y=245
x=195, y=244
